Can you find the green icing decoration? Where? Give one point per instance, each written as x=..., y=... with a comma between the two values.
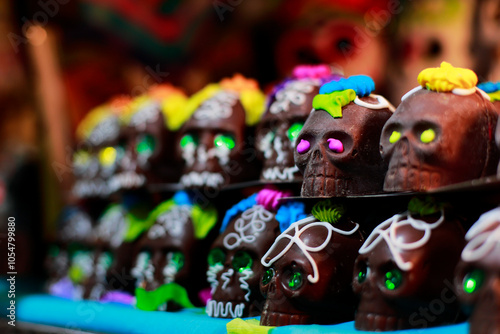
x=137, y=225
x=332, y=103
x=495, y=96
x=326, y=211
x=151, y=300
x=247, y=326
x=203, y=220
x=425, y=207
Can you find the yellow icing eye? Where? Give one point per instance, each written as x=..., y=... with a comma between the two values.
x=81, y=158
x=394, y=137
x=107, y=156
x=427, y=136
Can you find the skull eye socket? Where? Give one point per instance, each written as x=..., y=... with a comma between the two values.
x=393, y=279
x=473, y=280
x=242, y=261
x=296, y=280
x=145, y=145
x=268, y=276
x=224, y=141
x=335, y=145
x=189, y=140
x=294, y=130
x=427, y=136
x=177, y=259
x=105, y=260
x=303, y=146
x=216, y=257
x=395, y=136
x=363, y=273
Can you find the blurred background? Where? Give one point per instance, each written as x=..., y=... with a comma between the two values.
x=61, y=58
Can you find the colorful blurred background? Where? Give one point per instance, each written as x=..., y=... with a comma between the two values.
x=61, y=58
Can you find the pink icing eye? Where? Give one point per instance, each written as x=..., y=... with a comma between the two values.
x=335, y=145
x=303, y=146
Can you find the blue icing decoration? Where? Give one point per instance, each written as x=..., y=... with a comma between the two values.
x=241, y=206
x=182, y=198
x=363, y=85
x=289, y=213
x=489, y=87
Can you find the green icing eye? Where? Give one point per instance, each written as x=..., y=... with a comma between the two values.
x=54, y=250
x=146, y=145
x=188, y=140
x=473, y=280
x=294, y=130
x=393, y=279
x=216, y=257
x=226, y=141
x=427, y=136
x=394, y=137
x=295, y=280
x=268, y=276
x=178, y=260
x=106, y=259
x=363, y=272
x=242, y=261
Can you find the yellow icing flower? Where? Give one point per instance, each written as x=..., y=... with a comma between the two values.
x=446, y=78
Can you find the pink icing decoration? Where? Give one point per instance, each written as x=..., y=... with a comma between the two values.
x=335, y=145
x=269, y=198
x=205, y=295
x=311, y=71
x=303, y=146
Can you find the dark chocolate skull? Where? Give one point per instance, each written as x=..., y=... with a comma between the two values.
x=436, y=139
x=340, y=156
x=212, y=143
x=96, y=158
x=280, y=126
x=308, y=276
x=166, y=252
x=234, y=269
x=404, y=272
x=477, y=277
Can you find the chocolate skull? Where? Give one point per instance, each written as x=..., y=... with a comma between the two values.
x=439, y=138
x=96, y=158
x=289, y=105
x=235, y=270
x=308, y=276
x=149, y=132
x=167, y=254
x=404, y=272
x=339, y=154
x=478, y=272
x=215, y=143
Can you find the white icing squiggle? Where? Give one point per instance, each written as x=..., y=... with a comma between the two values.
x=275, y=173
x=171, y=222
x=218, y=107
x=483, y=236
x=387, y=231
x=216, y=309
x=295, y=239
x=188, y=154
x=293, y=92
x=253, y=219
x=212, y=275
x=245, y=275
x=226, y=277
x=382, y=103
x=170, y=270
x=202, y=179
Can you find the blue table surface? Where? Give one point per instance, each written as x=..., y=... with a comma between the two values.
x=116, y=318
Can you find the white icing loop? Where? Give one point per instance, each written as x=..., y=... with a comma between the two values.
x=483, y=94
x=463, y=91
x=387, y=231
x=307, y=223
x=411, y=91
x=253, y=220
x=293, y=92
x=382, y=103
x=483, y=236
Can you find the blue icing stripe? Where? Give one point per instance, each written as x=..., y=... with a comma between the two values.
x=489, y=87
x=290, y=212
x=241, y=206
x=363, y=85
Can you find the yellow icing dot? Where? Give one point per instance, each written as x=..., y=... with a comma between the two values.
x=446, y=78
x=427, y=136
x=395, y=135
x=107, y=156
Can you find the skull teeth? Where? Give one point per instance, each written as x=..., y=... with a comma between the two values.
x=400, y=178
x=126, y=180
x=214, y=180
x=270, y=318
x=219, y=309
x=378, y=322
